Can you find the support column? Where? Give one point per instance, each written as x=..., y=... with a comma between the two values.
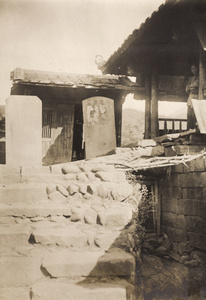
x=147, y=134
x=118, y=119
x=23, y=131
x=154, y=107
x=202, y=74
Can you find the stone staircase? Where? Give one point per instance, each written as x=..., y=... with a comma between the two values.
x=66, y=232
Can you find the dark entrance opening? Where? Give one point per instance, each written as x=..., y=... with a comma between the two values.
x=78, y=144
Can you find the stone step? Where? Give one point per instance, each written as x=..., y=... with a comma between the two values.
x=22, y=193
x=31, y=210
x=59, y=290
x=18, y=293
x=65, y=263
x=20, y=270
x=14, y=236
x=75, y=235
x=69, y=236
x=28, y=265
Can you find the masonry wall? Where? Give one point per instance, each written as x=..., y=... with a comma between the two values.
x=183, y=203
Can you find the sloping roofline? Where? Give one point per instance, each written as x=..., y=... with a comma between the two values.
x=137, y=38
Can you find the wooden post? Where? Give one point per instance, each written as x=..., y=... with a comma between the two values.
x=118, y=118
x=147, y=134
x=202, y=74
x=154, y=107
x=158, y=208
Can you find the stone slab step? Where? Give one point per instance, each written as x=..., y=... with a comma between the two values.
x=70, y=264
x=31, y=210
x=20, y=271
x=69, y=236
x=64, y=291
x=14, y=235
x=22, y=193
x=14, y=294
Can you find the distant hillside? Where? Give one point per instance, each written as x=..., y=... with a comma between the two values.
x=132, y=127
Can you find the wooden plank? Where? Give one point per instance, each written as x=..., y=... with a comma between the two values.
x=199, y=107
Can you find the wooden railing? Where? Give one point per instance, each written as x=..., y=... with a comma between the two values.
x=172, y=125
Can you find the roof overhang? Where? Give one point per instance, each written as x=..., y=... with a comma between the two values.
x=175, y=24
x=71, y=80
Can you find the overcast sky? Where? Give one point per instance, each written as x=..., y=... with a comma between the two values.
x=64, y=35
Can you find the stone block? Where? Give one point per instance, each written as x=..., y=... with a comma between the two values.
x=176, y=180
x=196, y=224
x=92, y=189
x=23, y=131
x=91, y=176
x=69, y=264
x=105, y=239
x=70, y=168
x=177, y=192
x=90, y=216
x=19, y=271
x=22, y=193
x=73, y=189
x=115, y=217
x=82, y=177
x=9, y=174
x=50, y=188
x=77, y=214
x=111, y=176
x=57, y=197
x=62, y=190
x=184, y=193
x=176, y=235
x=120, y=191
x=42, y=209
x=82, y=188
x=70, y=176
x=14, y=236
x=28, y=171
x=65, y=291
x=174, y=220
x=184, y=180
x=68, y=236
x=102, y=191
x=14, y=293
x=197, y=165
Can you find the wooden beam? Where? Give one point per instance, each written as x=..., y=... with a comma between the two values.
x=154, y=107
x=147, y=134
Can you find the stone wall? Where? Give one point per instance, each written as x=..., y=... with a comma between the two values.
x=183, y=202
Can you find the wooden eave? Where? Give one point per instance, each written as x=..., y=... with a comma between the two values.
x=155, y=36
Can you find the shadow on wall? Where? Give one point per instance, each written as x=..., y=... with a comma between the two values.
x=61, y=150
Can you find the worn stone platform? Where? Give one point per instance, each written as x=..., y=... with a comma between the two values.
x=65, y=233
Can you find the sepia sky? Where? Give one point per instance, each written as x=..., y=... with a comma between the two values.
x=64, y=35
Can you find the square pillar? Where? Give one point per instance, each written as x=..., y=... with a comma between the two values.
x=23, y=131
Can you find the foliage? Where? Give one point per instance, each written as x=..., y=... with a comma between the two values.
x=145, y=206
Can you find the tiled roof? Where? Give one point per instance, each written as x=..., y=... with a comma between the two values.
x=36, y=77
